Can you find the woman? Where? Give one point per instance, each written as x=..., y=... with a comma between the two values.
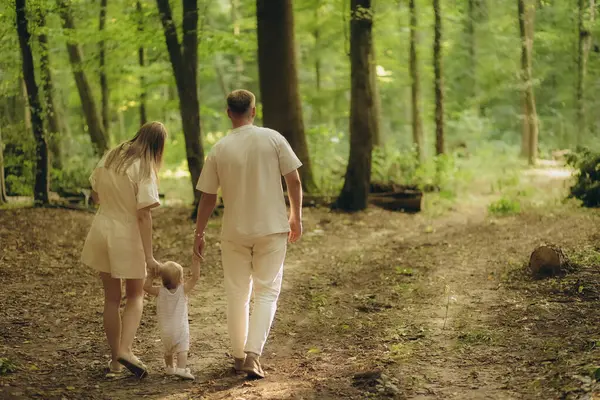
x=119, y=243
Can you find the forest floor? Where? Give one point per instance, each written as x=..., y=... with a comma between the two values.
x=374, y=305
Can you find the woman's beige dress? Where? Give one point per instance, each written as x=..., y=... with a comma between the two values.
x=114, y=244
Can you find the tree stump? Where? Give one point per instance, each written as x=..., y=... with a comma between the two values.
x=548, y=261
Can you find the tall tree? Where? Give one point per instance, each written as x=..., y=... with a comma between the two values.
x=184, y=61
x=142, y=64
x=41, y=186
x=93, y=121
x=239, y=62
x=526, y=10
x=586, y=17
x=50, y=112
x=103, y=79
x=355, y=192
x=278, y=76
x=3, y=197
x=439, y=79
x=417, y=123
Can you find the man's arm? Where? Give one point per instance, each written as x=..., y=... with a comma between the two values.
x=206, y=206
x=294, y=188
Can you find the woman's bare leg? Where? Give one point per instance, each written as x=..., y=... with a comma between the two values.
x=131, y=315
x=112, y=319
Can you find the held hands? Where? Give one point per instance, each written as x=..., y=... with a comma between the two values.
x=199, y=245
x=153, y=266
x=295, y=228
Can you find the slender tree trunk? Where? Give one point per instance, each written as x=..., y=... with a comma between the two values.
x=439, y=80
x=471, y=84
x=585, y=43
x=90, y=111
x=52, y=123
x=41, y=187
x=526, y=16
x=377, y=139
x=417, y=124
x=355, y=192
x=317, y=55
x=184, y=61
x=239, y=62
x=3, y=196
x=103, y=78
x=282, y=109
x=26, y=108
x=142, y=63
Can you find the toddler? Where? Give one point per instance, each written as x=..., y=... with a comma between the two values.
x=172, y=313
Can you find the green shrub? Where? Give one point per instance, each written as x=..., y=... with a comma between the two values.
x=505, y=206
x=7, y=366
x=587, y=185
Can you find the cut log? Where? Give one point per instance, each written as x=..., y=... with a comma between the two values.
x=408, y=200
x=548, y=261
x=312, y=200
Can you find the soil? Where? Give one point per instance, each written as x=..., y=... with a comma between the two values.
x=374, y=305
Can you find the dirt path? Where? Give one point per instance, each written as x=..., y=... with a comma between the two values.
x=375, y=305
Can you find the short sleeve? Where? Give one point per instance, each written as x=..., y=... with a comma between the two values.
x=147, y=194
x=209, y=177
x=288, y=161
x=94, y=176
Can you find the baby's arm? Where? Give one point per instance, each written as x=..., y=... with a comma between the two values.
x=189, y=285
x=153, y=290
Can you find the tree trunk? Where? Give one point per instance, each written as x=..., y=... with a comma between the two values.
x=90, y=111
x=317, y=55
x=3, y=197
x=41, y=187
x=439, y=80
x=282, y=109
x=53, y=126
x=184, y=61
x=103, y=78
x=471, y=83
x=377, y=139
x=239, y=62
x=142, y=63
x=585, y=43
x=417, y=124
x=526, y=14
x=355, y=192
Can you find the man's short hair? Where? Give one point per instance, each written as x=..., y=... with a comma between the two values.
x=240, y=101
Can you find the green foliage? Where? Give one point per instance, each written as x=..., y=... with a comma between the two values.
x=587, y=185
x=7, y=366
x=505, y=206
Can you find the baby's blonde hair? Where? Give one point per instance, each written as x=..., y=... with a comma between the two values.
x=171, y=274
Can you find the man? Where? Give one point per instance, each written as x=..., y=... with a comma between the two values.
x=247, y=165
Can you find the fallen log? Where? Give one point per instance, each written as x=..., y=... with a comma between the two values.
x=548, y=261
x=407, y=200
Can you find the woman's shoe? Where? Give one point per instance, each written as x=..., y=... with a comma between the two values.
x=135, y=366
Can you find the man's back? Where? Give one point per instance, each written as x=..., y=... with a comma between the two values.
x=248, y=164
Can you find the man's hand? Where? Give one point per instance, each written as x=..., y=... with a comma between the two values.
x=199, y=244
x=295, y=229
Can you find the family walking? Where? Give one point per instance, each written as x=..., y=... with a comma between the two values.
x=246, y=166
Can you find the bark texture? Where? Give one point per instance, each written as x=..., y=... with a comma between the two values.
x=282, y=109
x=41, y=186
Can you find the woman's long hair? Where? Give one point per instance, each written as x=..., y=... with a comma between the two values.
x=147, y=145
